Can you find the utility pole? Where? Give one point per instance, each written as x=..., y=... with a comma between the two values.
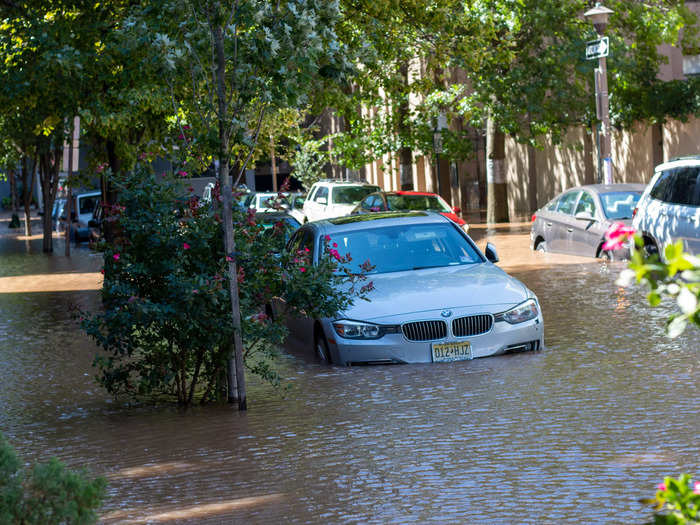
x=599, y=49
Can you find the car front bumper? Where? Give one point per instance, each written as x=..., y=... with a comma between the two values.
x=395, y=348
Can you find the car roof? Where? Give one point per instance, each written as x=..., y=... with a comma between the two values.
x=679, y=162
x=409, y=193
x=343, y=183
x=608, y=188
x=379, y=220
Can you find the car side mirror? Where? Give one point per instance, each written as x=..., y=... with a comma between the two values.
x=456, y=210
x=584, y=216
x=491, y=253
x=322, y=200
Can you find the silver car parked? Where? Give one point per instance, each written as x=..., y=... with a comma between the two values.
x=436, y=297
x=575, y=221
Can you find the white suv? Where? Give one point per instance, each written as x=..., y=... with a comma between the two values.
x=328, y=199
x=669, y=209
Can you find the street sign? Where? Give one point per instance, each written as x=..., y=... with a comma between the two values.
x=597, y=48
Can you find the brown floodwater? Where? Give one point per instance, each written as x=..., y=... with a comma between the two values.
x=575, y=433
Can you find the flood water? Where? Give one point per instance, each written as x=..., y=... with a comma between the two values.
x=575, y=433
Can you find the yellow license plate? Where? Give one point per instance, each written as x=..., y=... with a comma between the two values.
x=451, y=351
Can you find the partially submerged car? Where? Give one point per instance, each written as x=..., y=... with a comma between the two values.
x=575, y=221
x=436, y=296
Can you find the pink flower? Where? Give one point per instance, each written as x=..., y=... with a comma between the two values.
x=185, y=127
x=229, y=258
x=302, y=269
x=335, y=245
x=327, y=238
x=661, y=486
x=195, y=291
x=696, y=487
x=115, y=256
x=617, y=235
x=306, y=250
x=185, y=246
x=182, y=173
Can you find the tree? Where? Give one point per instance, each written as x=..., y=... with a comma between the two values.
x=166, y=323
x=228, y=63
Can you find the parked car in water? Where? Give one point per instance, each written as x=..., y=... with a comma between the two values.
x=409, y=201
x=280, y=219
x=330, y=198
x=83, y=205
x=263, y=201
x=296, y=206
x=575, y=221
x=669, y=209
x=437, y=297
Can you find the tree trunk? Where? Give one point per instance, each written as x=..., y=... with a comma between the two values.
x=405, y=153
x=588, y=160
x=27, y=185
x=69, y=192
x=274, y=164
x=497, y=188
x=532, y=178
x=48, y=177
x=109, y=194
x=12, y=177
x=229, y=241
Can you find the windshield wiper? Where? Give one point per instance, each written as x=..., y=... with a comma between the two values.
x=425, y=267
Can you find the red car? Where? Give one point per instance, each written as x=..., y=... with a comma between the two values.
x=409, y=201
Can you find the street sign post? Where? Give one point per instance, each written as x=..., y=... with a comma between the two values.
x=597, y=48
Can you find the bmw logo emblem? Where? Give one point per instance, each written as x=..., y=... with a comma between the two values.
x=446, y=313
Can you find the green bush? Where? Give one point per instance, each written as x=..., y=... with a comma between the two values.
x=47, y=493
x=677, y=502
x=166, y=326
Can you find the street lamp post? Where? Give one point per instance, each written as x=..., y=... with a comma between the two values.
x=599, y=16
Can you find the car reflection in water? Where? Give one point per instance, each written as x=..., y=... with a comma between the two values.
x=436, y=296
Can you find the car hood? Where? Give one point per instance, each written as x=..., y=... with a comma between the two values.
x=401, y=296
x=340, y=210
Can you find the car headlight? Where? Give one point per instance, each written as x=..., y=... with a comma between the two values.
x=523, y=312
x=359, y=330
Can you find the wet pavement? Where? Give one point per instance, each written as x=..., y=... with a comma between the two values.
x=575, y=433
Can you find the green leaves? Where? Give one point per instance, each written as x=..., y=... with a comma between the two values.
x=46, y=493
x=677, y=277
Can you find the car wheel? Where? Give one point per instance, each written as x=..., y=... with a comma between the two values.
x=322, y=351
x=606, y=255
x=650, y=248
x=541, y=247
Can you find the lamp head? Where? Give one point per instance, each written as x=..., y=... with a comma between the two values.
x=599, y=16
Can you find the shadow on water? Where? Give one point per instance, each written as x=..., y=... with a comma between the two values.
x=574, y=433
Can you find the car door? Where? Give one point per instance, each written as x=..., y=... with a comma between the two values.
x=320, y=203
x=300, y=328
x=585, y=235
x=310, y=205
x=683, y=211
x=563, y=222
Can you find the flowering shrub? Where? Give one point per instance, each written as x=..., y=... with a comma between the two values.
x=677, y=502
x=166, y=325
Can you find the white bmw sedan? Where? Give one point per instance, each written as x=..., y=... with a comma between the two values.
x=436, y=298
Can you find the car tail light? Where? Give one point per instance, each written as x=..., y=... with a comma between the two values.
x=534, y=216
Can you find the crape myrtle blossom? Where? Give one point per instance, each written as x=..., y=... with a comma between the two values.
x=617, y=235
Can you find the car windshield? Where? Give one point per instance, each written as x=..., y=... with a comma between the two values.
x=352, y=194
x=401, y=248
x=417, y=202
x=619, y=204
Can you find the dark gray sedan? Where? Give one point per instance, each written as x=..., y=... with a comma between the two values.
x=575, y=221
